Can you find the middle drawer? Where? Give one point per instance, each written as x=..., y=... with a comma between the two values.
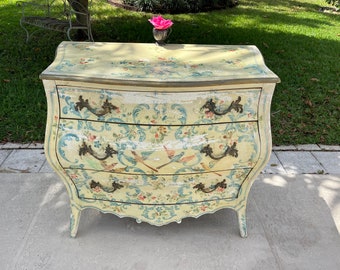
x=147, y=150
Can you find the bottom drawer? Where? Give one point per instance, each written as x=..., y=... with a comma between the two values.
x=157, y=189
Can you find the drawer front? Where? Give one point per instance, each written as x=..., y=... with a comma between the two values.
x=158, y=108
x=137, y=149
x=141, y=189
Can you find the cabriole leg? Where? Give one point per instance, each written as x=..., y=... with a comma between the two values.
x=74, y=220
x=242, y=221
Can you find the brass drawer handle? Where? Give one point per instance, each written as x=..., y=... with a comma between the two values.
x=235, y=105
x=115, y=186
x=107, y=107
x=231, y=151
x=84, y=149
x=201, y=187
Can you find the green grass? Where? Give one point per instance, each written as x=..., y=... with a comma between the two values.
x=300, y=44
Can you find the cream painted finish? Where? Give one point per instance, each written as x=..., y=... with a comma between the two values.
x=158, y=133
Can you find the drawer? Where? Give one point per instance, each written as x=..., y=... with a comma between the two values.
x=141, y=189
x=138, y=149
x=158, y=108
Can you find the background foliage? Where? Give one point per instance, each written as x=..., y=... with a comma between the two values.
x=179, y=6
x=334, y=2
x=299, y=43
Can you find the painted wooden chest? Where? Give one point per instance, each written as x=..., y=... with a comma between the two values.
x=158, y=133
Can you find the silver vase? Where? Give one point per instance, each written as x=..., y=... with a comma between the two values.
x=161, y=35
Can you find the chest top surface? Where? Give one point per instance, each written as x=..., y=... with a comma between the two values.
x=143, y=63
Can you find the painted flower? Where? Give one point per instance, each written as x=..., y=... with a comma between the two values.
x=204, y=208
x=220, y=189
x=74, y=176
x=91, y=137
x=209, y=114
x=97, y=189
x=162, y=130
x=160, y=23
x=141, y=197
x=97, y=144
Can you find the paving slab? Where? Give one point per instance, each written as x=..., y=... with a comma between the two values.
x=298, y=220
x=329, y=160
x=289, y=223
x=24, y=161
x=329, y=190
x=307, y=147
x=3, y=155
x=329, y=147
x=108, y=242
x=46, y=168
x=274, y=166
x=21, y=198
x=299, y=162
x=14, y=145
x=284, y=148
x=36, y=145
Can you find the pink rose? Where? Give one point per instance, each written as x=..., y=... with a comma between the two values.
x=160, y=23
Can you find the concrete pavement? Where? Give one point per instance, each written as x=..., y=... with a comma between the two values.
x=293, y=220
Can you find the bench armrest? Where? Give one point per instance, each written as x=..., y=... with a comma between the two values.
x=77, y=12
x=37, y=8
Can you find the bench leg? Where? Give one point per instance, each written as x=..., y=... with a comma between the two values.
x=27, y=33
x=90, y=34
x=87, y=31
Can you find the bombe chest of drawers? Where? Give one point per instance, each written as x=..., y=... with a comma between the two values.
x=158, y=133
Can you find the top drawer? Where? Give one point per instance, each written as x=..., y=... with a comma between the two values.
x=156, y=108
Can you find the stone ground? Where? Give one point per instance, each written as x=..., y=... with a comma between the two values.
x=293, y=219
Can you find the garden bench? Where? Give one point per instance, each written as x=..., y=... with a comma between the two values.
x=57, y=15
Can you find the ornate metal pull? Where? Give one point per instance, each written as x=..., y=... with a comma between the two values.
x=235, y=105
x=107, y=107
x=231, y=151
x=84, y=149
x=115, y=186
x=201, y=187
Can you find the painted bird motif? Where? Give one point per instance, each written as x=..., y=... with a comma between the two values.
x=111, y=167
x=141, y=160
x=208, y=169
x=175, y=158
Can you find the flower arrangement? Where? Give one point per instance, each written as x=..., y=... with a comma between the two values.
x=160, y=23
x=161, y=29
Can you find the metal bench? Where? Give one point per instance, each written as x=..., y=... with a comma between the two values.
x=58, y=15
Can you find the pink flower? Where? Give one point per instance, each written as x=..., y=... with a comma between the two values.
x=96, y=189
x=141, y=197
x=74, y=176
x=91, y=137
x=203, y=208
x=220, y=189
x=160, y=23
x=209, y=114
